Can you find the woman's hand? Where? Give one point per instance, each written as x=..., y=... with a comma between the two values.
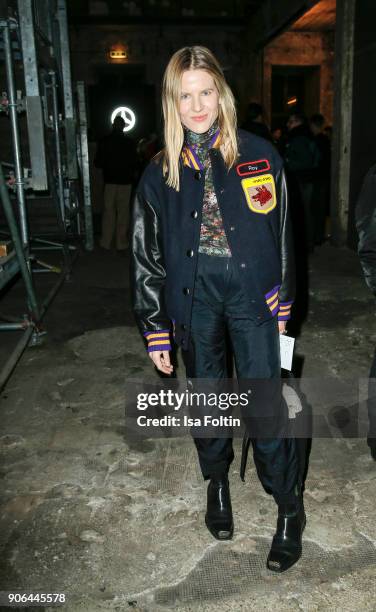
x=161, y=360
x=282, y=327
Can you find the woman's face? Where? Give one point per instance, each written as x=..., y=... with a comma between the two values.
x=199, y=100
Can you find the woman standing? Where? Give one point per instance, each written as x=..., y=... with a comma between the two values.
x=212, y=252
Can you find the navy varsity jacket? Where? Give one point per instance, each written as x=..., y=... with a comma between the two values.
x=165, y=232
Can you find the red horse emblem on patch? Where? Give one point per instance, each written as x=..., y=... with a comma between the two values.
x=263, y=195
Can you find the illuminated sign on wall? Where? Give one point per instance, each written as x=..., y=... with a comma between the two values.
x=127, y=115
x=118, y=54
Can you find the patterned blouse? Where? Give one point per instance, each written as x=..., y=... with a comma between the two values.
x=213, y=239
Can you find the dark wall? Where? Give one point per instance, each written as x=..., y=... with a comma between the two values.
x=151, y=47
x=363, y=150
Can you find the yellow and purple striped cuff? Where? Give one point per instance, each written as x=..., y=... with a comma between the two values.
x=284, y=313
x=275, y=306
x=158, y=340
x=272, y=299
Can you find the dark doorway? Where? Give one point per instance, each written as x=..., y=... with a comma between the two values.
x=294, y=88
x=363, y=131
x=119, y=86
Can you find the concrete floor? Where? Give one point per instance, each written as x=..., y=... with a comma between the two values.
x=119, y=525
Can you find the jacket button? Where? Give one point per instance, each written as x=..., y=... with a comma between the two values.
x=183, y=326
x=194, y=214
x=190, y=253
x=243, y=265
x=232, y=228
x=197, y=175
x=186, y=291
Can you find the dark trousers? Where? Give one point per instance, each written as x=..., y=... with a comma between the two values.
x=306, y=193
x=319, y=207
x=219, y=306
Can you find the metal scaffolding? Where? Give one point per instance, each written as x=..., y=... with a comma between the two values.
x=36, y=33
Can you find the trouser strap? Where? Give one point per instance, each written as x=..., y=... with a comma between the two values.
x=244, y=458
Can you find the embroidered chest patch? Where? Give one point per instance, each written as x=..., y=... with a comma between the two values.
x=253, y=167
x=260, y=193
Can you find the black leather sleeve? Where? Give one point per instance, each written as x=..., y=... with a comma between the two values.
x=365, y=216
x=148, y=272
x=288, y=286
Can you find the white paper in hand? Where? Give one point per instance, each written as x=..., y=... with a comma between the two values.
x=287, y=351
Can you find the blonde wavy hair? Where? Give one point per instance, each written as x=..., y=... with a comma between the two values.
x=194, y=58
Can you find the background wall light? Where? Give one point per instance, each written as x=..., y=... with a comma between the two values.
x=292, y=101
x=127, y=115
x=118, y=54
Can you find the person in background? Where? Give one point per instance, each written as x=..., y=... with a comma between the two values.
x=146, y=149
x=365, y=217
x=302, y=159
x=278, y=139
x=328, y=131
x=116, y=156
x=254, y=122
x=320, y=198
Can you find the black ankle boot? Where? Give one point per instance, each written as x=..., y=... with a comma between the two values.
x=218, y=516
x=286, y=547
